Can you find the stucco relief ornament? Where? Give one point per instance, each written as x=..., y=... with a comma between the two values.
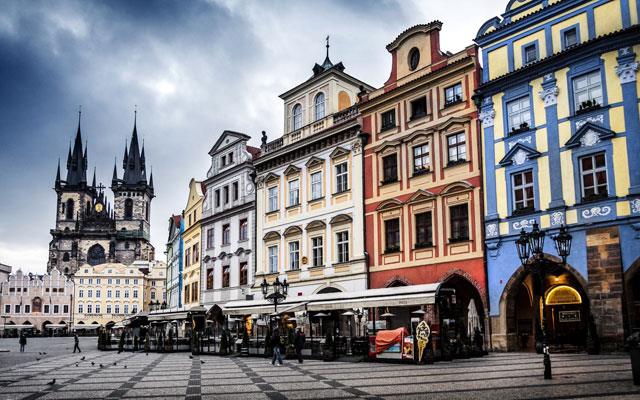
x=520, y=140
x=594, y=119
x=596, y=211
x=549, y=95
x=487, y=117
x=356, y=147
x=557, y=218
x=519, y=158
x=492, y=230
x=525, y=223
x=635, y=206
x=627, y=71
x=590, y=138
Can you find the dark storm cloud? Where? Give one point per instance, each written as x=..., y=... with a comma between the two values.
x=194, y=68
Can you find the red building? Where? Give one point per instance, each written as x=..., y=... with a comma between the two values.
x=422, y=182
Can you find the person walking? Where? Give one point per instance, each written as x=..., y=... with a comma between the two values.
x=76, y=342
x=275, y=342
x=299, y=343
x=22, y=341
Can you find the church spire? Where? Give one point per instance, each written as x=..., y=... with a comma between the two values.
x=77, y=161
x=58, y=183
x=134, y=172
x=93, y=184
x=114, y=180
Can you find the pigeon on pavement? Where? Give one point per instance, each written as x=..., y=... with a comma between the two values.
x=37, y=359
x=53, y=382
x=92, y=363
x=125, y=367
x=101, y=366
x=191, y=357
x=82, y=359
x=201, y=362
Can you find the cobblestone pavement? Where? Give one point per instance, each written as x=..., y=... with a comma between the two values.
x=497, y=376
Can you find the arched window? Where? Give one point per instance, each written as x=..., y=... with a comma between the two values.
x=69, y=210
x=88, y=207
x=146, y=210
x=319, y=106
x=296, y=117
x=96, y=255
x=128, y=209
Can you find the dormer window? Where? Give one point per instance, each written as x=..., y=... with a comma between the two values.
x=319, y=105
x=296, y=117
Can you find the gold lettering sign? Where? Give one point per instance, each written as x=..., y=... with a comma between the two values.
x=563, y=295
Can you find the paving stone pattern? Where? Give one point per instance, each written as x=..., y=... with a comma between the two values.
x=176, y=376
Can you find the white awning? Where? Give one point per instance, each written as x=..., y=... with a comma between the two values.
x=86, y=327
x=8, y=326
x=386, y=297
x=167, y=316
x=53, y=326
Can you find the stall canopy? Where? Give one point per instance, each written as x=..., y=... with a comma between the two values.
x=388, y=297
x=27, y=326
x=86, y=327
x=54, y=326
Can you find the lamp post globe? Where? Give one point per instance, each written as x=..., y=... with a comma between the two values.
x=522, y=245
x=563, y=243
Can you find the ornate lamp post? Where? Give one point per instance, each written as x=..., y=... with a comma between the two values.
x=279, y=293
x=530, y=248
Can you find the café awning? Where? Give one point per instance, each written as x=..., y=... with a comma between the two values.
x=86, y=327
x=402, y=296
x=54, y=326
x=27, y=326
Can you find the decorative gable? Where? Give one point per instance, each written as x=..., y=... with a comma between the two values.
x=313, y=161
x=588, y=135
x=387, y=145
x=421, y=195
x=338, y=152
x=291, y=169
x=226, y=139
x=270, y=177
x=519, y=154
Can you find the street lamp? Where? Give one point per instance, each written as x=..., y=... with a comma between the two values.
x=280, y=291
x=349, y=314
x=530, y=248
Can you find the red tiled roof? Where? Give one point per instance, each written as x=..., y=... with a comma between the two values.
x=254, y=151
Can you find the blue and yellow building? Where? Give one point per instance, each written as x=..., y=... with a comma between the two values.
x=561, y=143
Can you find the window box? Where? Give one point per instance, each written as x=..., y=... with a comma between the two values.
x=523, y=211
x=394, y=249
x=453, y=102
x=595, y=198
x=421, y=171
x=524, y=127
x=388, y=181
x=456, y=163
x=423, y=245
x=587, y=106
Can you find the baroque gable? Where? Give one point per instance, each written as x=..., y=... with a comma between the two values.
x=588, y=135
x=519, y=154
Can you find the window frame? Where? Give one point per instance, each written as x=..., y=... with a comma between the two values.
x=294, y=255
x=391, y=123
x=593, y=172
x=272, y=199
x=389, y=170
x=588, y=88
x=342, y=247
x=421, y=156
x=457, y=146
x=523, y=187
x=342, y=178
x=417, y=114
x=272, y=258
x=243, y=273
x=226, y=234
x=316, y=106
x=512, y=129
x=317, y=251
x=314, y=184
x=563, y=36
x=296, y=117
x=226, y=276
x=243, y=230
x=426, y=230
x=294, y=192
x=455, y=97
x=533, y=46
x=392, y=235
x=456, y=222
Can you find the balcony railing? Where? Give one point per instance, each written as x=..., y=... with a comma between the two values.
x=345, y=115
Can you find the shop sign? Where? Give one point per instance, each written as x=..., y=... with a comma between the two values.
x=422, y=333
x=569, y=316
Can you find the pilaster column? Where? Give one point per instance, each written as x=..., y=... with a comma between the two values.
x=627, y=70
x=487, y=115
x=549, y=94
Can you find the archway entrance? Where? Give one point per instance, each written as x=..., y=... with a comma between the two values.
x=632, y=290
x=96, y=255
x=566, y=309
x=461, y=310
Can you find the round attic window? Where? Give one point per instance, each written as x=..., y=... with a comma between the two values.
x=414, y=58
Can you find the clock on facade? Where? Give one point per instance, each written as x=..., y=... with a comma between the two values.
x=99, y=207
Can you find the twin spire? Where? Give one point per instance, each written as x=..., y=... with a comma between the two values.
x=134, y=164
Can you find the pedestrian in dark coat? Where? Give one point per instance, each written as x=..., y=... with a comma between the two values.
x=22, y=341
x=275, y=343
x=299, y=344
x=76, y=343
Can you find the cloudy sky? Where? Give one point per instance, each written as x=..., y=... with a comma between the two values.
x=193, y=68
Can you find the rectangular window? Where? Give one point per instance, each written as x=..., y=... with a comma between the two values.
x=117, y=281
x=217, y=197
x=390, y=168
x=519, y=114
x=210, y=238
x=90, y=281
x=97, y=309
x=223, y=161
x=587, y=91
x=453, y=94
x=65, y=309
x=187, y=292
x=530, y=53
x=46, y=308
x=593, y=174
x=117, y=309
x=424, y=236
x=194, y=291
x=126, y=281
x=294, y=192
x=226, y=234
x=209, y=278
x=317, y=249
x=81, y=293
x=273, y=199
x=236, y=191
x=392, y=235
x=134, y=309
x=97, y=282
x=126, y=293
x=342, y=177
x=342, y=241
x=457, y=148
x=117, y=294
x=226, y=275
x=230, y=155
x=316, y=185
x=388, y=120
x=421, y=159
x=196, y=253
x=523, y=198
x=27, y=309
x=419, y=108
x=244, y=229
x=294, y=255
x=56, y=309
x=187, y=257
x=80, y=309
x=135, y=293
x=244, y=273
x=459, y=219
x=570, y=37
x=126, y=309
x=109, y=281
x=89, y=308
x=273, y=259
x=89, y=293
x=98, y=293
x=225, y=194
x=108, y=293
x=7, y=308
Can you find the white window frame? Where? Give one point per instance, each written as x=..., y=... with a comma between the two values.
x=316, y=185
x=521, y=115
x=272, y=193
x=342, y=246
x=589, y=88
x=342, y=177
x=319, y=106
x=317, y=251
x=296, y=117
x=453, y=93
x=594, y=172
x=294, y=192
x=527, y=202
x=294, y=255
x=272, y=254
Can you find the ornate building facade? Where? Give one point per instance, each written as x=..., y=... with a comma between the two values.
x=174, y=253
x=87, y=229
x=43, y=302
x=309, y=189
x=191, y=241
x=561, y=139
x=422, y=173
x=228, y=221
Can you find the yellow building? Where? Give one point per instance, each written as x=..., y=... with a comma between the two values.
x=192, y=216
x=154, y=283
x=107, y=293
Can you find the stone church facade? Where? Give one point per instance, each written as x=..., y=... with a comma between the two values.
x=88, y=229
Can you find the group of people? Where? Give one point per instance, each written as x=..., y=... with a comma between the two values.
x=276, y=343
x=22, y=340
